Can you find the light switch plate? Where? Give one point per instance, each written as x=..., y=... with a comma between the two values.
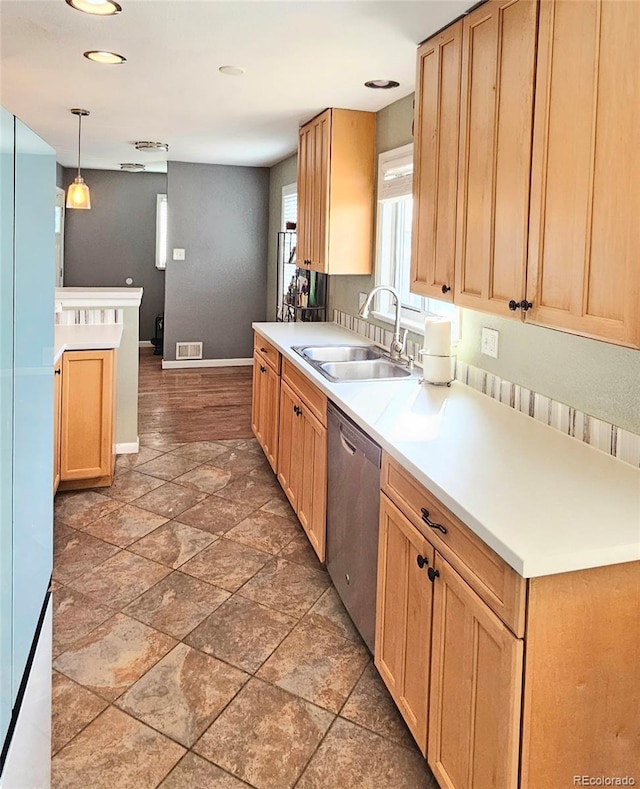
x=178, y=254
x=489, y=343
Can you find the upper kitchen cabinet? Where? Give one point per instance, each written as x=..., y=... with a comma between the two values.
x=437, y=122
x=496, y=115
x=336, y=152
x=584, y=274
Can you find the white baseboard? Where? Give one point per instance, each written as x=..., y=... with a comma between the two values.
x=130, y=448
x=206, y=363
x=145, y=344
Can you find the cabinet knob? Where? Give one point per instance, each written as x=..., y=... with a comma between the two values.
x=433, y=574
x=57, y=372
x=297, y=411
x=264, y=350
x=445, y=288
x=263, y=369
x=429, y=522
x=422, y=561
x=523, y=305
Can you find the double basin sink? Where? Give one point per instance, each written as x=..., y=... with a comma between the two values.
x=351, y=362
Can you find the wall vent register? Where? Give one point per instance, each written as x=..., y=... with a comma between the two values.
x=188, y=350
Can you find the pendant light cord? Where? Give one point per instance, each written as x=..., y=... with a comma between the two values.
x=79, y=136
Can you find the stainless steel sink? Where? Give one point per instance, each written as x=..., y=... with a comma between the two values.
x=368, y=370
x=339, y=353
x=351, y=362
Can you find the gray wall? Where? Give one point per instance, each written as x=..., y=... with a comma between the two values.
x=116, y=239
x=596, y=377
x=219, y=215
x=60, y=181
x=281, y=174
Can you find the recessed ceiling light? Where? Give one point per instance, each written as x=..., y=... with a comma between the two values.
x=231, y=71
x=101, y=56
x=97, y=7
x=132, y=167
x=381, y=84
x=145, y=145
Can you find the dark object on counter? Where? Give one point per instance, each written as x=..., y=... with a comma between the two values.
x=158, y=340
x=290, y=226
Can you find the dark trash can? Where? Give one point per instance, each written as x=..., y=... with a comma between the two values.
x=158, y=340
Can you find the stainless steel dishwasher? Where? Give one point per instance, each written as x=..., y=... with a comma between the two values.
x=353, y=505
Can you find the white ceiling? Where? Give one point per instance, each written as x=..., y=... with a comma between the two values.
x=300, y=57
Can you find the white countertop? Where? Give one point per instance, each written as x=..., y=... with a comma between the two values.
x=75, y=298
x=545, y=502
x=94, y=337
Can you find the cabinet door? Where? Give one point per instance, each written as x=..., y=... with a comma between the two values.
x=305, y=195
x=57, y=406
x=321, y=130
x=271, y=415
x=437, y=121
x=312, y=501
x=86, y=447
x=498, y=52
x=290, y=454
x=584, y=274
x=403, y=617
x=476, y=683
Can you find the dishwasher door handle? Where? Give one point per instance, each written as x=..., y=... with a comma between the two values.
x=348, y=447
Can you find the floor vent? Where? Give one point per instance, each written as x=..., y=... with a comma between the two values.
x=188, y=350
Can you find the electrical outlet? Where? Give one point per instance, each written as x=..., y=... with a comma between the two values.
x=178, y=254
x=489, y=344
x=362, y=297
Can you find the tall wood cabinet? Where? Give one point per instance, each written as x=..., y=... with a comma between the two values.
x=87, y=419
x=435, y=167
x=546, y=194
x=496, y=116
x=584, y=271
x=336, y=153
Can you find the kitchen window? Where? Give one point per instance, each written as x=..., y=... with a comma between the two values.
x=393, y=245
x=161, y=231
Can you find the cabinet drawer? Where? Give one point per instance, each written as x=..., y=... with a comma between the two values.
x=270, y=354
x=498, y=584
x=315, y=401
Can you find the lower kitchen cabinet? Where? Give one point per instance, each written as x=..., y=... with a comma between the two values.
x=302, y=465
x=265, y=407
x=87, y=419
x=475, y=690
x=403, y=616
x=57, y=412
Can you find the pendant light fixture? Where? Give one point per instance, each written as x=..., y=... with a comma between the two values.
x=78, y=193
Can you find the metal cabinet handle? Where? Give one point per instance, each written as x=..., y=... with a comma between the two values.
x=429, y=522
x=433, y=574
x=523, y=305
x=422, y=561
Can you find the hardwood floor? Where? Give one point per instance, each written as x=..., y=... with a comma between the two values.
x=200, y=404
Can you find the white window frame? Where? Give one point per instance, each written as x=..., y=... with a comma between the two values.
x=162, y=208
x=287, y=191
x=411, y=318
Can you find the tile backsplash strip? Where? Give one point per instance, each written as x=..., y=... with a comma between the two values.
x=609, y=438
x=88, y=317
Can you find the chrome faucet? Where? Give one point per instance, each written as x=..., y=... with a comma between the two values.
x=398, y=342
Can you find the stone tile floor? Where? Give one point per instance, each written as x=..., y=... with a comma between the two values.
x=199, y=643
